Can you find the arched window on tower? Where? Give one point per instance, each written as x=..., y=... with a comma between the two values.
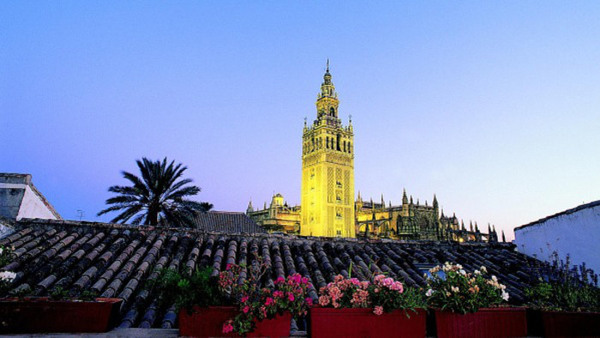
x=338, y=142
x=332, y=111
x=327, y=142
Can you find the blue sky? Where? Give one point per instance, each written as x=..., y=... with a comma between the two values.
x=492, y=106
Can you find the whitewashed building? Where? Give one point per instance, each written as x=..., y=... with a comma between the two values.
x=20, y=199
x=574, y=232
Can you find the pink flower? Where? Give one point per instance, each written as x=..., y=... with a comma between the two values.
x=378, y=310
x=278, y=294
x=227, y=327
x=323, y=300
x=309, y=301
x=244, y=299
x=397, y=286
x=378, y=278
x=279, y=280
x=269, y=301
x=291, y=297
x=246, y=309
x=304, y=280
x=297, y=278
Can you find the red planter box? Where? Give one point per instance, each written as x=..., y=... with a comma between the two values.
x=44, y=315
x=563, y=324
x=487, y=322
x=205, y=322
x=328, y=322
x=208, y=322
x=277, y=327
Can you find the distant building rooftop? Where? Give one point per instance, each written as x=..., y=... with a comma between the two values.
x=229, y=222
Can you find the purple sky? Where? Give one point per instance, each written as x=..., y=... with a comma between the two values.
x=493, y=107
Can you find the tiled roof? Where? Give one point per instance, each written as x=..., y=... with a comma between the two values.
x=228, y=222
x=117, y=260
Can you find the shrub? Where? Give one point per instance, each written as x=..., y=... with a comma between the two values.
x=199, y=289
x=564, y=288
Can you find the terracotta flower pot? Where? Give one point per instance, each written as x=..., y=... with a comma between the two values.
x=208, y=322
x=329, y=322
x=563, y=324
x=43, y=315
x=205, y=322
x=487, y=322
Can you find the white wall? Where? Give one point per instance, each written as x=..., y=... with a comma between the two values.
x=576, y=234
x=32, y=206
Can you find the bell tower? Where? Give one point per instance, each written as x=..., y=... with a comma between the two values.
x=327, y=201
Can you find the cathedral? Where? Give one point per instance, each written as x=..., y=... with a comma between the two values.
x=328, y=207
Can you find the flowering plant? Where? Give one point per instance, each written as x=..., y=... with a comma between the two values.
x=463, y=292
x=256, y=303
x=388, y=295
x=6, y=278
x=383, y=295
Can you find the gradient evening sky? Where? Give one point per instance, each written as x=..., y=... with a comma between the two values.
x=495, y=107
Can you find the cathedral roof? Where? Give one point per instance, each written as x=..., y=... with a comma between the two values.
x=119, y=260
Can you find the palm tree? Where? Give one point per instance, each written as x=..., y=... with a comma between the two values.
x=158, y=197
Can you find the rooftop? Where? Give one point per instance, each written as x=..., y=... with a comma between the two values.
x=562, y=213
x=117, y=260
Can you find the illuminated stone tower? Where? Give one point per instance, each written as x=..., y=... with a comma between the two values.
x=327, y=202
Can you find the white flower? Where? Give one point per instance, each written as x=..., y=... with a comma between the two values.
x=483, y=269
x=494, y=279
x=455, y=289
x=505, y=295
x=462, y=272
x=477, y=272
x=7, y=276
x=458, y=266
x=1, y=250
x=429, y=293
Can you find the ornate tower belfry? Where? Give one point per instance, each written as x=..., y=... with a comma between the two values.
x=327, y=202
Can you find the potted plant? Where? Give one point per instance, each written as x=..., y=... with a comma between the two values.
x=202, y=306
x=384, y=308
x=264, y=311
x=57, y=313
x=468, y=304
x=565, y=304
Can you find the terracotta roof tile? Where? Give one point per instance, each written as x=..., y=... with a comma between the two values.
x=120, y=261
